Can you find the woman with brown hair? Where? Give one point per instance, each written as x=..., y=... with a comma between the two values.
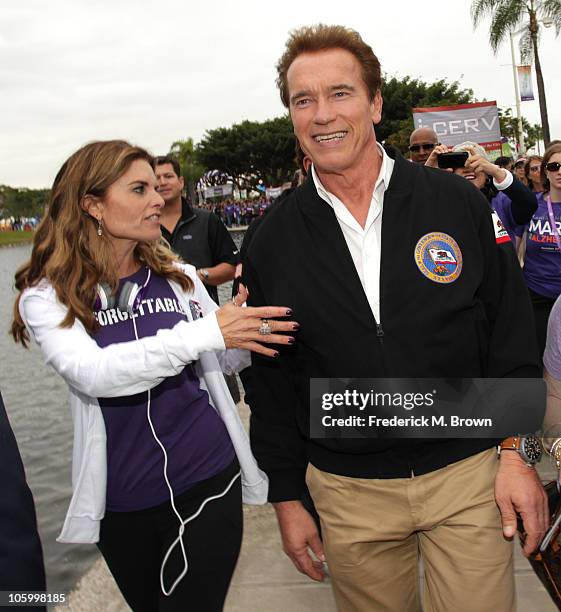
x=541, y=243
x=161, y=459
x=533, y=173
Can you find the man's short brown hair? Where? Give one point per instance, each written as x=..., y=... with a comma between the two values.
x=321, y=37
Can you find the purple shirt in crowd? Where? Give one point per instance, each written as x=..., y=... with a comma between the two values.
x=542, y=264
x=501, y=204
x=192, y=432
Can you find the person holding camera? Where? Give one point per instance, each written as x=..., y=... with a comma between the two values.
x=513, y=202
x=532, y=220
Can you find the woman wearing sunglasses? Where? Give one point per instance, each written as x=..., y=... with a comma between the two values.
x=533, y=172
x=541, y=241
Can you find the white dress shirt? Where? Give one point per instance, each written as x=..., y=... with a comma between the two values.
x=364, y=244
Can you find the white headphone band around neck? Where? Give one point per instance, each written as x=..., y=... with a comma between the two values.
x=130, y=296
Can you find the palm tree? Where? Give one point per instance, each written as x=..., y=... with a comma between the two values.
x=510, y=15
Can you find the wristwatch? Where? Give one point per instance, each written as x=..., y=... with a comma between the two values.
x=203, y=272
x=528, y=447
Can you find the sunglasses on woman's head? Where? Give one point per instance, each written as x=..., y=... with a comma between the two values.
x=553, y=166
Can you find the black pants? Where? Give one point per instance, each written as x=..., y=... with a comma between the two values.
x=542, y=308
x=135, y=543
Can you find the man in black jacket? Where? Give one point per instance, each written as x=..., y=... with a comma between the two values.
x=198, y=236
x=372, y=303
x=21, y=556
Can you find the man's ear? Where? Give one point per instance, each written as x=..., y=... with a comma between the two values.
x=376, y=108
x=93, y=206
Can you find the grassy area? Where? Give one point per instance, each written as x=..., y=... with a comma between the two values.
x=7, y=238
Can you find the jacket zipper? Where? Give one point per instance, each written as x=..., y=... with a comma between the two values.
x=380, y=333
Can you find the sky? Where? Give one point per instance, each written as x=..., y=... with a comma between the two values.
x=73, y=71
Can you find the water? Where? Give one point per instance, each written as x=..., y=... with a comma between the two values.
x=37, y=406
x=36, y=402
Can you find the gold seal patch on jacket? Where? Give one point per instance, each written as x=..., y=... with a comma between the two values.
x=438, y=257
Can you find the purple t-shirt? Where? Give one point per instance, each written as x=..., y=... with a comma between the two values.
x=193, y=434
x=542, y=264
x=501, y=204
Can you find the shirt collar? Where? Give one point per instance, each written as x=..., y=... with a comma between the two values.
x=383, y=180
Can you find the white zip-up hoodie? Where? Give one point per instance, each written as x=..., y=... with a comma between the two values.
x=128, y=368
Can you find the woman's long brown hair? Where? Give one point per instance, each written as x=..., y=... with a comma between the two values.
x=67, y=250
x=549, y=153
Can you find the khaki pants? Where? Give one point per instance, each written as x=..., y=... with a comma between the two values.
x=375, y=529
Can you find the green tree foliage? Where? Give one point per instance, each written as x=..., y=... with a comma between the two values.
x=513, y=15
x=22, y=202
x=251, y=152
x=191, y=169
x=402, y=95
x=509, y=129
x=535, y=134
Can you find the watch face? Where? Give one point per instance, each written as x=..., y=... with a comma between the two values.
x=531, y=449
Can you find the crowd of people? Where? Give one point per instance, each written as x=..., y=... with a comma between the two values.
x=518, y=191
x=537, y=241
x=161, y=459
x=237, y=213
x=18, y=224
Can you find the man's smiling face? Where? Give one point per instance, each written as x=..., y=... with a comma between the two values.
x=330, y=109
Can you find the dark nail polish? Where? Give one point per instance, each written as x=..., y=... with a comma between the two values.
x=289, y=312
x=296, y=326
x=291, y=341
x=275, y=355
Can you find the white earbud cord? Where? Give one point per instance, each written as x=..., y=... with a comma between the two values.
x=182, y=522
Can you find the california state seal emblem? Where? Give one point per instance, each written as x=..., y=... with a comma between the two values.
x=438, y=257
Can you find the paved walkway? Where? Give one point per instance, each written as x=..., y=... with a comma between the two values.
x=266, y=581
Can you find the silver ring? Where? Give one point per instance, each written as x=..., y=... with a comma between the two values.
x=265, y=328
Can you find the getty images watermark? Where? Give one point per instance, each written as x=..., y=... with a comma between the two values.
x=425, y=408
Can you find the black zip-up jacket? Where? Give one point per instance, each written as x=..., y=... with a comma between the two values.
x=202, y=240
x=21, y=556
x=479, y=325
